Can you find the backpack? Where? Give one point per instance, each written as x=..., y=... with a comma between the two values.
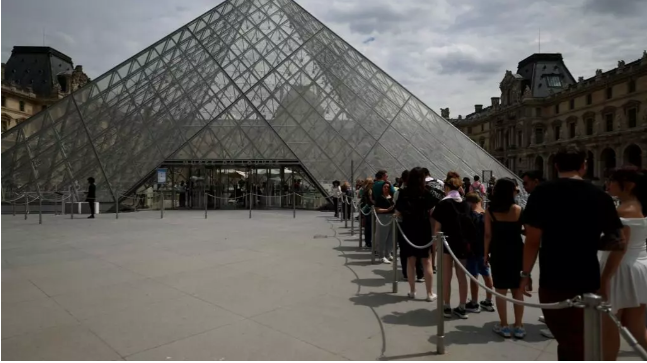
x=480, y=190
x=467, y=223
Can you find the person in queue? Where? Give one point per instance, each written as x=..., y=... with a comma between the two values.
x=336, y=194
x=449, y=215
x=476, y=261
x=572, y=220
x=504, y=252
x=404, y=180
x=366, y=204
x=384, y=207
x=347, y=194
x=624, y=273
x=531, y=179
x=414, y=205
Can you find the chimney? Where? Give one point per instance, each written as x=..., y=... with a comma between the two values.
x=478, y=108
x=444, y=112
x=580, y=79
x=495, y=101
x=78, y=68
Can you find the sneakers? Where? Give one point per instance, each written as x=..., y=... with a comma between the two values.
x=435, y=270
x=460, y=313
x=542, y=320
x=487, y=305
x=519, y=332
x=432, y=297
x=546, y=333
x=447, y=312
x=503, y=331
x=472, y=307
x=386, y=260
x=420, y=279
x=411, y=295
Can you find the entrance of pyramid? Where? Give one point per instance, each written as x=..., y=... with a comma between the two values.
x=200, y=184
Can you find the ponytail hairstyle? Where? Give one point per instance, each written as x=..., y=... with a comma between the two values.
x=632, y=174
x=453, y=183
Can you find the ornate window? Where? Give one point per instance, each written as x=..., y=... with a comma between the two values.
x=571, y=104
x=589, y=99
x=608, y=122
x=589, y=126
x=631, y=86
x=21, y=105
x=539, y=135
x=609, y=93
x=632, y=117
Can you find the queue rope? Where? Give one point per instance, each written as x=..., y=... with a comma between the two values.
x=624, y=332
x=568, y=303
x=13, y=200
x=410, y=243
x=239, y=197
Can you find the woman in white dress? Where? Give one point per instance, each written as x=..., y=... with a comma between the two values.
x=624, y=273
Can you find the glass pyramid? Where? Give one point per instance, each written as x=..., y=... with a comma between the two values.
x=250, y=79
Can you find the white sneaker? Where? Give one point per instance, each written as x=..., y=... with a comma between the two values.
x=432, y=297
x=411, y=295
x=386, y=260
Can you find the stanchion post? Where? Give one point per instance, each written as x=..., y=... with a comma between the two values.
x=373, y=227
x=361, y=220
x=394, y=239
x=346, y=211
x=162, y=205
x=205, y=204
x=592, y=327
x=250, y=204
x=116, y=207
x=294, y=204
x=26, y=206
x=352, y=199
x=440, y=328
x=13, y=208
x=72, y=206
x=40, y=210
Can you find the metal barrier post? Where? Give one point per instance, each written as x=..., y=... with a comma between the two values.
x=72, y=206
x=117, y=208
x=294, y=204
x=40, y=211
x=394, y=234
x=592, y=327
x=440, y=328
x=26, y=206
x=361, y=220
x=250, y=204
x=346, y=212
x=13, y=208
x=162, y=205
x=352, y=215
x=373, y=227
x=205, y=204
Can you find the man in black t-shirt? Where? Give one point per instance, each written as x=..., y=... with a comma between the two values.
x=568, y=216
x=91, y=196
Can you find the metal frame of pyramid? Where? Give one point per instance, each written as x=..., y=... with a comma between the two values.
x=249, y=79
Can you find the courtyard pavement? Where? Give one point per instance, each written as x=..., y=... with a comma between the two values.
x=225, y=288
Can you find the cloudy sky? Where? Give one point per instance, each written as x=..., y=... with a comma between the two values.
x=451, y=53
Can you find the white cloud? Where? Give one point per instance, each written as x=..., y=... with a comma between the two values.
x=450, y=53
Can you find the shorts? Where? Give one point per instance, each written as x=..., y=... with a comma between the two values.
x=476, y=266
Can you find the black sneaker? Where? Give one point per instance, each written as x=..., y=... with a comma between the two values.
x=487, y=305
x=472, y=307
x=447, y=311
x=460, y=313
x=434, y=268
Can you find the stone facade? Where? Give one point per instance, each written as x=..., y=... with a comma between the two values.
x=605, y=114
x=19, y=98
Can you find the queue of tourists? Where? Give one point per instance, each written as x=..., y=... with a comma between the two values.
x=585, y=243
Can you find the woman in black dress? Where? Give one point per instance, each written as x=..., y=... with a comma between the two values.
x=504, y=251
x=414, y=207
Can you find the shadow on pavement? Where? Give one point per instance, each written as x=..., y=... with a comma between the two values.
x=471, y=334
x=419, y=317
x=374, y=299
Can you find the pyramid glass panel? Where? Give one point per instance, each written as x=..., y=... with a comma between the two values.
x=250, y=80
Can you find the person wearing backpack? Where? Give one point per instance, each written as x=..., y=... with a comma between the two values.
x=453, y=217
x=366, y=203
x=478, y=187
x=504, y=251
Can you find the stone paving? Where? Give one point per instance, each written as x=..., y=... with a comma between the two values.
x=225, y=288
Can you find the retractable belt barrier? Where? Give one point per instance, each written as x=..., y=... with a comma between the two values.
x=592, y=304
